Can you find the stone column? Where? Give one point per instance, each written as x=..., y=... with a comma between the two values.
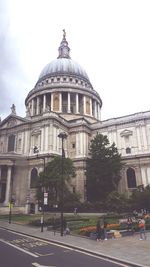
x=68, y=103
x=37, y=105
x=42, y=139
x=99, y=112
x=84, y=105
x=95, y=109
x=8, y=186
x=52, y=99
x=60, y=102
x=46, y=138
x=81, y=144
x=77, y=145
x=77, y=103
x=32, y=107
x=138, y=138
x=44, y=103
x=143, y=129
x=90, y=107
x=144, y=177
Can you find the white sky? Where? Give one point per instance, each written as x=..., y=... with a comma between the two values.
x=109, y=38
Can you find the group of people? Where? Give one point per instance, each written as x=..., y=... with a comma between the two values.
x=141, y=226
x=101, y=231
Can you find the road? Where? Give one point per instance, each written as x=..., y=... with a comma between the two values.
x=19, y=250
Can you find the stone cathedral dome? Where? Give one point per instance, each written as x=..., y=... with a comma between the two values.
x=63, y=65
x=64, y=87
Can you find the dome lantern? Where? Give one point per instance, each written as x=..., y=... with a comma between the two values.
x=64, y=49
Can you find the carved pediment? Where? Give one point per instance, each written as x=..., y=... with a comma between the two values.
x=126, y=133
x=11, y=121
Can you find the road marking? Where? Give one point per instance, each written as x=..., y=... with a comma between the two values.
x=39, y=265
x=21, y=249
x=43, y=255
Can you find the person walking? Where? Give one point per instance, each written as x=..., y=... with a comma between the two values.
x=75, y=211
x=130, y=225
x=98, y=231
x=105, y=229
x=54, y=224
x=141, y=225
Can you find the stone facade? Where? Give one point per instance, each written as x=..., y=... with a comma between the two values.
x=63, y=100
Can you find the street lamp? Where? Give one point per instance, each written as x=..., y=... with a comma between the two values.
x=36, y=151
x=11, y=201
x=63, y=136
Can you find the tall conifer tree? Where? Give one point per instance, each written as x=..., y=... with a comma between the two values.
x=103, y=168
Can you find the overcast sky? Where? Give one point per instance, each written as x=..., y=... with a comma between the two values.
x=109, y=38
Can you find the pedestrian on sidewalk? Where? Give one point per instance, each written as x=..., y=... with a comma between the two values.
x=105, y=229
x=141, y=225
x=75, y=211
x=130, y=225
x=98, y=231
x=54, y=224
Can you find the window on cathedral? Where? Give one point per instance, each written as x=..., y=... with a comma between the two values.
x=73, y=145
x=52, y=80
x=11, y=143
x=76, y=81
x=1, y=147
x=46, y=81
x=58, y=79
x=64, y=79
x=70, y=79
x=128, y=150
x=131, y=178
x=19, y=143
x=33, y=178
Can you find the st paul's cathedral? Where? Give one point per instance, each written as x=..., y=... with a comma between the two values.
x=64, y=100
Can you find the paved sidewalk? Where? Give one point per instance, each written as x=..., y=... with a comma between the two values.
x=127, y=249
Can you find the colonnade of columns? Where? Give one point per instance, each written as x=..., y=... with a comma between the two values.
x=55, y=102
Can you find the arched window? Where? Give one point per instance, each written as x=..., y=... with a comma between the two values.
x=56, y=102
x=131, y=178
x=87, y=105
x=128, y=150
x=11, y=143
x=33, y=180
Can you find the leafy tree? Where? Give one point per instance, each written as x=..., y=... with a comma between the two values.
x=103, y=168
x=140, y=198
x=51, y=179
x=117, y=202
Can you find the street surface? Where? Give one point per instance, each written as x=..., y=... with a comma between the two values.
x=19, y=250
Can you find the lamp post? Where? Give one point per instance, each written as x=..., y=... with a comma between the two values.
x=10, y=201
x=63, y=136
x=36, y=151
x=10, y=206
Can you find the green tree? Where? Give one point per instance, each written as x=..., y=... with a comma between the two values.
x=140, y=198
x=51, y=178
x=117, y=202
x=103, y=169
